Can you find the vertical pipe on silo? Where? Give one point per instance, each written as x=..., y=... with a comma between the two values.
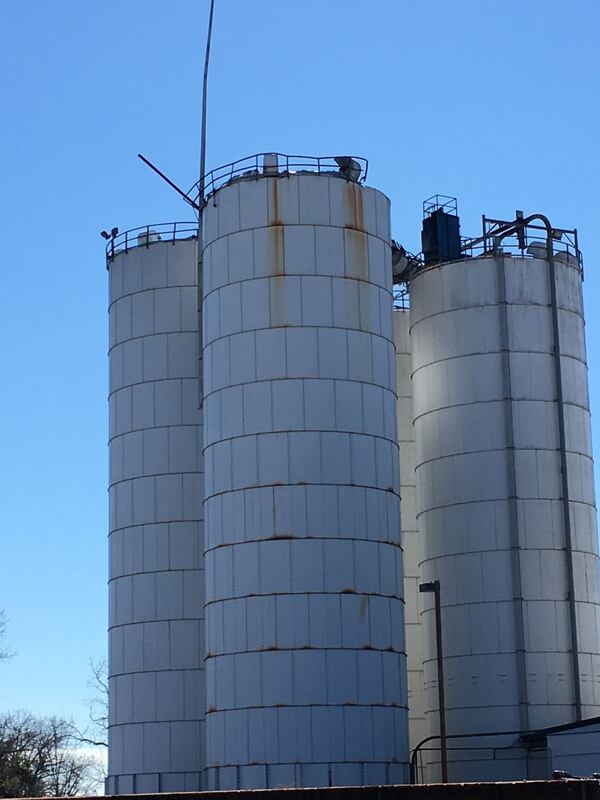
x=564, y=474
x=511, y=478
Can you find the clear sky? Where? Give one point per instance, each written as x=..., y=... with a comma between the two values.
x=495, y=103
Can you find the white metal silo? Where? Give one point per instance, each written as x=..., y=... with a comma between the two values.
x=156, y=638
x=513, y=546
x=411, y=542
x=306, y=675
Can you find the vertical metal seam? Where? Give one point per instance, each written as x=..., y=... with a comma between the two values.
x=560, y=408
x=515, y=543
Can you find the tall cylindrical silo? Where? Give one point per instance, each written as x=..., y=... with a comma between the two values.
x=411, y=541
x=156, y=637
x=491, y=508
x=306, y=676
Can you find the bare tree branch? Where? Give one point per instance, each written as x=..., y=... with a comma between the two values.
x=84, y=740
x=96, y=734
x=4, y=652
x=40, y=757
x=98, y=708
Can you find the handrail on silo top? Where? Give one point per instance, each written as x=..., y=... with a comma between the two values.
x=147, y=235
x=252, y=167
x=521, y=237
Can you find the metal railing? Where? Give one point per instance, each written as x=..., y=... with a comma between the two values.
x=525, y=238
x=439, y=202
x=535, y=247
x=526, y=241
x=254, y=166
x=147, y=235
x=401, y=297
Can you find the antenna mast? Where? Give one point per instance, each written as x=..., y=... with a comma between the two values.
x=204, y=93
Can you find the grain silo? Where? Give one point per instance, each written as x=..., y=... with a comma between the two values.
x=156, y=671
x=411, y=542
x=306, y=675
x=506, y=490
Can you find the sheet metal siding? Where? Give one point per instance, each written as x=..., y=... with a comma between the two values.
x=306, y=673
x=411, y=543
x=468, y=478
x=157, y=692
x=576, y=751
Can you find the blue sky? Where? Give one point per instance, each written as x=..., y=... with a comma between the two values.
x=497, y=104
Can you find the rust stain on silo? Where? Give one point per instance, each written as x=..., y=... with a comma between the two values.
x=357, y=255
x=274, y=203
x=364, y=605
x=276, y=270
x=354, y=208
x=275, y=250
x=356, y=238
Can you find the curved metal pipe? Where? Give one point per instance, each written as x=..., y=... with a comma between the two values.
x=417, y=748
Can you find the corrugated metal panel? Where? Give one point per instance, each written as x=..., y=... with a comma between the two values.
x=576, y=751
x=156, y=553
x=305, y=641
